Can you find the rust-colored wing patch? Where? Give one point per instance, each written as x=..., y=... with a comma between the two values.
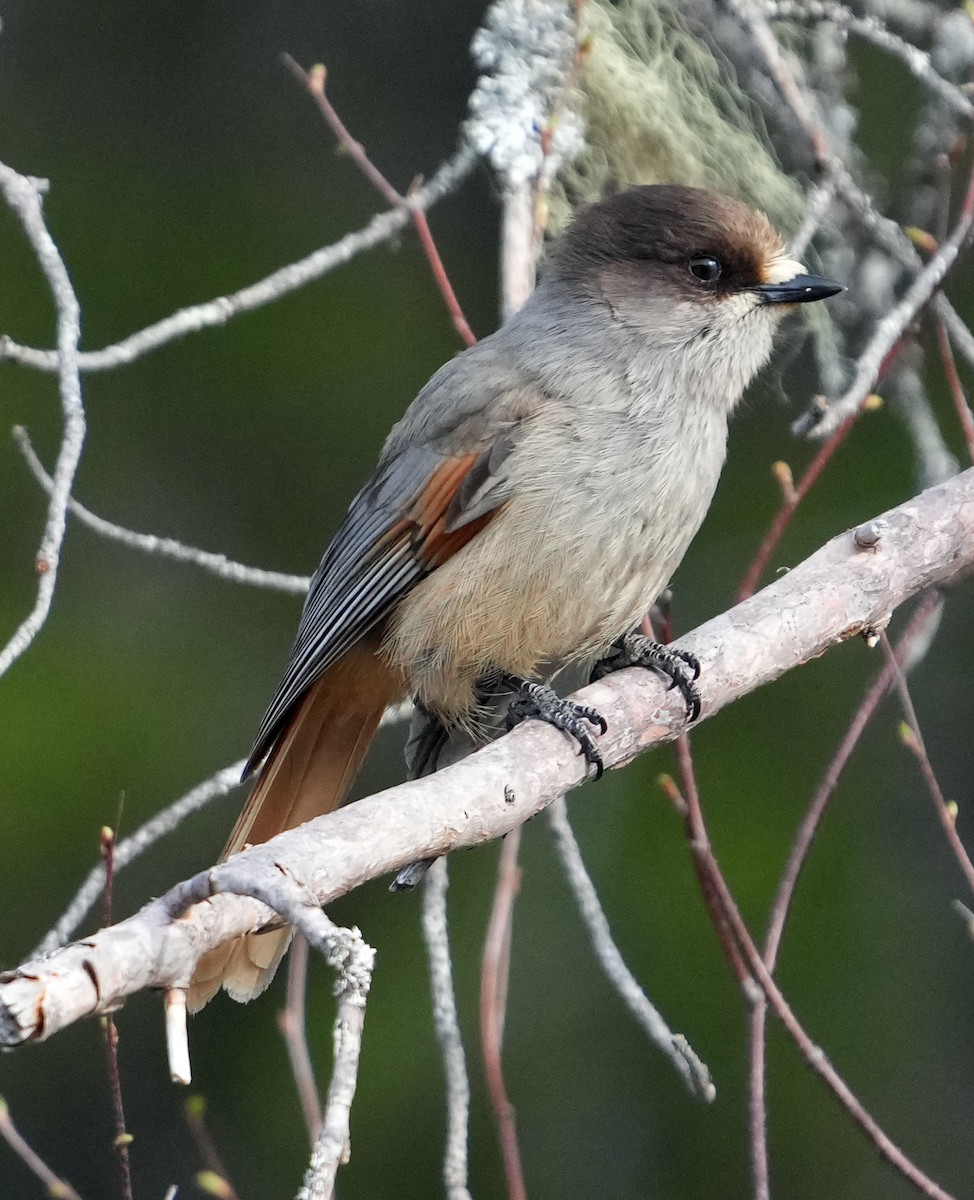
x=433, y=543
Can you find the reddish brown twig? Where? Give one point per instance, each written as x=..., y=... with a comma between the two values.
x=493, y=1006
x=467, y=335
x=31, y=1159
x=792, y=497
x=291, y=1021
x=750, y=969
x=123, y=1139
x=757, y=1109
x=214, y=1178
x=689, y=799
x=926, y=611
x=813, y=1054
x=917, y=625
x=964, y=414
x=913, y=740
x=314, y=83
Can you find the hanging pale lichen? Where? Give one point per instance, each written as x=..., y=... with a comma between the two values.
x=660, y=106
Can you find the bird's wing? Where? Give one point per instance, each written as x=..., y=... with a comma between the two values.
x=418, y=510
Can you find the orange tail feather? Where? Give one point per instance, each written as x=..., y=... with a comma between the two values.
x=308, y=773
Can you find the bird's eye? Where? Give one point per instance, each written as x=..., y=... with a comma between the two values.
x=705, y=268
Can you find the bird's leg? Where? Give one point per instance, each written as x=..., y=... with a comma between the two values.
x=427, y=738
x=678, y=666
x=542, y=703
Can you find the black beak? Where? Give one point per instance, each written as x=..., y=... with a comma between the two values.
x=799, y=290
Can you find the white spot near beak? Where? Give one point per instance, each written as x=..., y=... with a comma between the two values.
x=782, y=269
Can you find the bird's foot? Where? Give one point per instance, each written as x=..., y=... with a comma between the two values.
x=539, y=702
x=678, y=666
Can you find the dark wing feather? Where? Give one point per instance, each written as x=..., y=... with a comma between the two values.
x=396, y=532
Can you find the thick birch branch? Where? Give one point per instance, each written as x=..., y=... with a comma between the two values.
x=850, y=585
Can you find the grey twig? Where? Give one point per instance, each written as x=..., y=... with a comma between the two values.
x=935, y=462
x=223, y=781
x=817, y=205
x=447, y=1024
x=752, y=16
x=354, y=960
x=889, y=331
x=150, y=543
x=676, y=1048
x=883, y=230
x=287, y=279
x=872, y=30
x=23, y=195
x=282, y=893
x=804, y=109
x=90, y=892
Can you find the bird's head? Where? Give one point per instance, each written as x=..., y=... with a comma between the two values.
x=696, y=274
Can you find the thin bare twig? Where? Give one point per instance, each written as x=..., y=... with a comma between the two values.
x=213, y=313
x=31, y=1159
x=123, y=1138
x=150, y=543
x=751, y=14
x=447, y=1024
x=923, y=620
x=346, y=952
x=493, y=1004
x=961, y=405
x=694, y=1071
x=218, y=784
x=872, y=30
x=813, y=1054
x=24, y=195
x=891, y=329
x=918, y=633
x=750, y=968
x=960, y=335
x=314, y=83
x=792, y=497
x=195, y=1112
x=686, y=801
x=293, y=1026
x=817, y=205
x=913, y=740
x=757, y=1110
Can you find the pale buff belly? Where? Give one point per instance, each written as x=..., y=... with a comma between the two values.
x=521, y=594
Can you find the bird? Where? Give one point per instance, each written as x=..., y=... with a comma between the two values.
x=525, y=512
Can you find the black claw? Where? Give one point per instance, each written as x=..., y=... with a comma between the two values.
x=680, y=667
x=537, y=701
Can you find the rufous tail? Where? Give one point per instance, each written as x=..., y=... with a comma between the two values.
x=308, y=773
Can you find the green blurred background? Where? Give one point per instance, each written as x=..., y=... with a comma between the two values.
x=185, y=163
